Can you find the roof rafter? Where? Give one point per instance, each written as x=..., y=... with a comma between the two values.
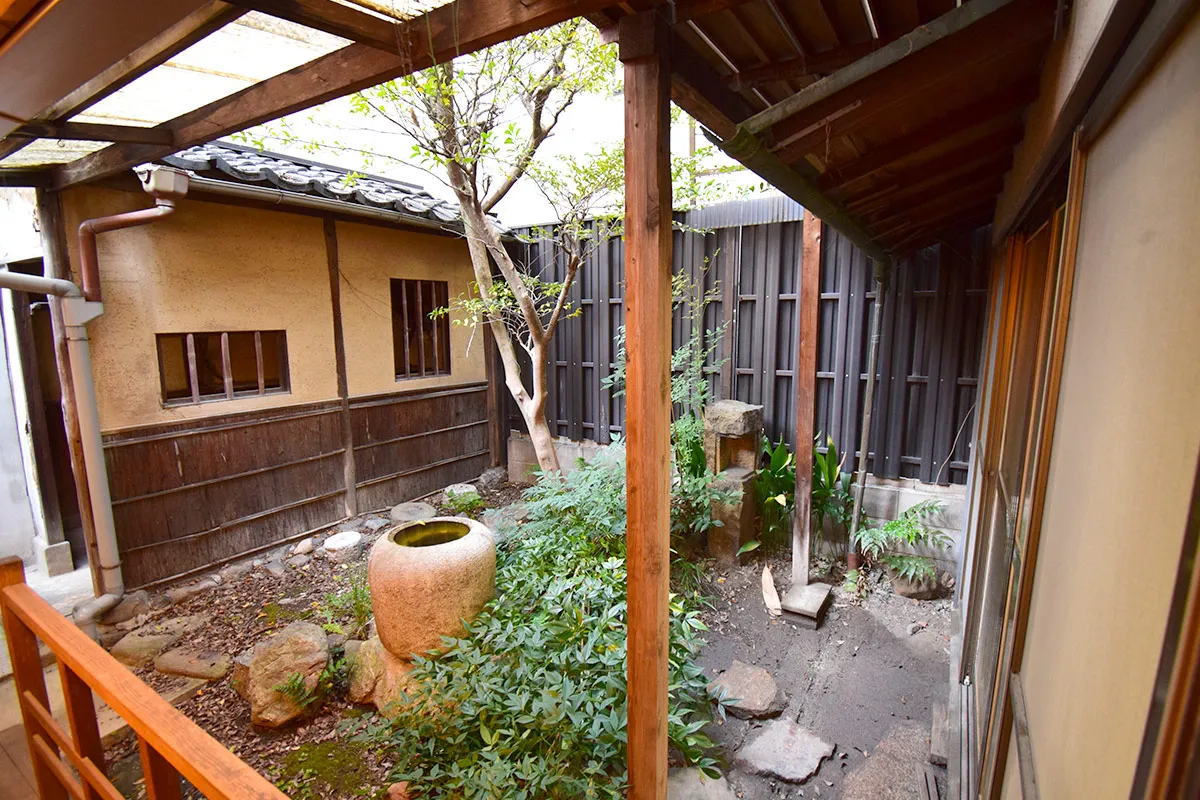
x=95, y=132
x=461, y=27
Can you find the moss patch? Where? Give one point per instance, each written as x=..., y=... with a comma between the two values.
x=328, y=769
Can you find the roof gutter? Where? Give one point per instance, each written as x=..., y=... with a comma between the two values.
x=281, y=197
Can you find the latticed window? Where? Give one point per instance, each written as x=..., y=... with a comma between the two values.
x=200, y=367
x=421, y=343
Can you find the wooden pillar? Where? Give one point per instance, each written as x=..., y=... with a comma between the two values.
x=339, y=356
x=644, y=51
x=57, y=265
x=806, y=394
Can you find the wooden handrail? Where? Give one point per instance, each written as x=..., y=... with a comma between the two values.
x=171, y=744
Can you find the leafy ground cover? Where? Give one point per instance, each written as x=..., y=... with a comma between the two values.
x=531, y=701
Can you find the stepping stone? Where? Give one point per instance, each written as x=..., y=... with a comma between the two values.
x=412, y=512
x=140, y=647
x=296, y=562
x=807, y=604
x=752, y=689
x=462, y=491
x=692, y=784
x=275, y=569
x=785, y=751
x=211, y=665
x=896, y=764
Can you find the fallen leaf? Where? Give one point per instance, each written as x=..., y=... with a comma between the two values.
x=770, y=596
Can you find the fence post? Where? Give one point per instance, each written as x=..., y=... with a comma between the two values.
x=27, y=678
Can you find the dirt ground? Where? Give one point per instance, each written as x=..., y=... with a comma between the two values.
x=859, y=679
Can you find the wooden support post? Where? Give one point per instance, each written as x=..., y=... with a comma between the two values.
x=644, y=50
x=85, y=729
x=349, y=472
x=806, y=394
x=27, y=679
x=57, y=265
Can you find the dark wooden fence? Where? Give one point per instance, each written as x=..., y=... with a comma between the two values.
x=192, y=494
x=750, y=254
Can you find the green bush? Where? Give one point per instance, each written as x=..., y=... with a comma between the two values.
x=775, y=490
x=531, y=701
x=880, y=544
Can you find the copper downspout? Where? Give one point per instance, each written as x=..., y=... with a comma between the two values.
x=89, y=266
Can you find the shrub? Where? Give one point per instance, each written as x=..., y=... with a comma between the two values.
x=531, y=701
x=348, y=610
x=831, y=496
x=775, y=490
x=881, y=544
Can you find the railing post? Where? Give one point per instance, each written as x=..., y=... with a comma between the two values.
x=85, y=730
x=27, y=677
x=162, y=779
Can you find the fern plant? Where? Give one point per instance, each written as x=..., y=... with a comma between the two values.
x=887, y=543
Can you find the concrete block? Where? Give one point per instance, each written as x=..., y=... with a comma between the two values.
x=522, y=460
x=55, y=559
x=733, y=418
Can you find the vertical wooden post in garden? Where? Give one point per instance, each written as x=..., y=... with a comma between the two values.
x=644, y=52
x=806, y=394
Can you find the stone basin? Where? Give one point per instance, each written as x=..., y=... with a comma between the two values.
x=426, y=577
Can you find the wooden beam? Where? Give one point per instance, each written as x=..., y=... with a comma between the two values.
x=995, y=150
x=644, y=49
x=461, y=27
x=154, y=53
x=95, y=132
x=38, y=178
x=340, y=20
x=821, y=63
x=699, y=90
x=936, y=185
x=906, y=46
x=694, y=9
x=968, y=122
x=940, y=211
x=806, y=394
x=349, y=470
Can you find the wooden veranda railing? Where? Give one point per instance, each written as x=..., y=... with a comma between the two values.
x=72, y=765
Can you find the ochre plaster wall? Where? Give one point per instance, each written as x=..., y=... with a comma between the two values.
x=1125, y=445
x=208, y=267
x=1064, y=63
x=369, y=257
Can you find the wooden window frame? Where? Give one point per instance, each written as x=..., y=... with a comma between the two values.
x=439, y=292
x=229, y=393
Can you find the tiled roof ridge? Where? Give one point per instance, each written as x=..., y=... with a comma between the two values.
x=241, y=164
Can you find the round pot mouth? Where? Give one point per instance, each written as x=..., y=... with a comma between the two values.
x=429, y=533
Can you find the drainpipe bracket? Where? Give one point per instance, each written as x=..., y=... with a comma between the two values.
x=78, y=311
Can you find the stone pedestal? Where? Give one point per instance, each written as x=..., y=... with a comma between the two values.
x=739, y=519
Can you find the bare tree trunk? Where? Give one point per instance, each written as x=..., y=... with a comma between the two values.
x=532, y=407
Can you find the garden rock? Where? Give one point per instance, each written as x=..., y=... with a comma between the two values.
x=296, y=562
x=275, y=569
x=344, y=546
x=462, y=492
x=925, y=589
x=299, y=649
x=752, y=690
x=235, y=572
x=366, y=665
x=502, y=521
x=210, y=665
x=376, y=523
x=134, y=604
x=692, y=784
x=392, y=683
x=493, y=478
x=181, y=594
x=350, y=650
x=240, y=679
x=412, y=512
x=141, y=646
x=785, y=751
x=303, y=546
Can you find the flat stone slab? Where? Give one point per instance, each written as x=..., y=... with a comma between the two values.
x=344, y=546
x=894, y=770
x=412, y=512
x=807, y=604
x=210, y=665
x=752, y=690
x=463, y=490
x=692, y=784
x=733, y=418
x=141, y=646
x=785, y=751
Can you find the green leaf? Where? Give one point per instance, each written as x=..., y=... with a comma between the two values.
x=749, y=547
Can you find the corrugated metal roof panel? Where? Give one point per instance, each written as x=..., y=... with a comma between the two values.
x=749, y=211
